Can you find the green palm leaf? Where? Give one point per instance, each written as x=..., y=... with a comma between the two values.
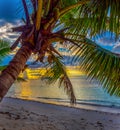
x=4, y=49
x=57, y=71
x=101, y=15
x=94, y=17
x=100, y=64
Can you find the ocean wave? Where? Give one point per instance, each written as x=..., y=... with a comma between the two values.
x=85, y=102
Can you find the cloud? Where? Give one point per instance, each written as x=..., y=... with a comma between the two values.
x=106, y=41
x=11, y=12
x=6, y=32
x=116, y=48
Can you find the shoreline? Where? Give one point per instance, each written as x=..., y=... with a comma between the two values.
x=32, y=115
x=84, y=106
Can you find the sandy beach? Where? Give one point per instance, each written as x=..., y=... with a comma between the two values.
x=17, y=114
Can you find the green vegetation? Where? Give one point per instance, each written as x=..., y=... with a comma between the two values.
x=4, y=50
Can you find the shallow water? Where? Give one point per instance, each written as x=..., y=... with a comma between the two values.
x=85, y=91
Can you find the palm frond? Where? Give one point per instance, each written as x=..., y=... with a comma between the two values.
x=100, y=64
x=67, y=3
x=94, y=17
x=56, y=71
x=39, y=14
x=101, y=16
x=26, y=12
x=4, y=49
x=20, y=79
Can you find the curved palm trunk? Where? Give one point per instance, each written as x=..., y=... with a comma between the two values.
x=10, y=74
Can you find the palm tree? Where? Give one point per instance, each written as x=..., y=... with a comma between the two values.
x=75, y=18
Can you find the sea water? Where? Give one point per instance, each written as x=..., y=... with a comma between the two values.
x=86, y=92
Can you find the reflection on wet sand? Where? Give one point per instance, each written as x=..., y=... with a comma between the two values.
x=25, y=90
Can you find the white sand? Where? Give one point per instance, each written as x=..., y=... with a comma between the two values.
x=18, y=114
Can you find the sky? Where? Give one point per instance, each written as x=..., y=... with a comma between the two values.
x=8, y=10
x=10, y=16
